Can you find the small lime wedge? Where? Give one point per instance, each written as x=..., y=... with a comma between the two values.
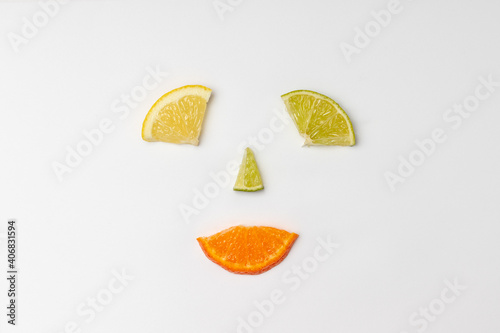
x=248, y=179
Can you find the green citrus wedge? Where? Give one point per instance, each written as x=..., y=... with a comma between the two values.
x=319, y=119
x=248, y=179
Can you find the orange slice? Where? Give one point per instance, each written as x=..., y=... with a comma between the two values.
x=248, y=250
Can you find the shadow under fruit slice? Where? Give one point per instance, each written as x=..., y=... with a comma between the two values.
x=248, y=250
x=319, y=119
x=177, y=116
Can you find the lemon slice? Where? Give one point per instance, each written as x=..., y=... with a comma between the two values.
x=248, y=179
x=319, y=119
x=177, y=116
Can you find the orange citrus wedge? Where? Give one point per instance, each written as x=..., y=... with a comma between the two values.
x=248, y=250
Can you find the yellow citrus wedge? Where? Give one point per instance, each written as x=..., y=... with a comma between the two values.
x=319, y=119
x=177, y=116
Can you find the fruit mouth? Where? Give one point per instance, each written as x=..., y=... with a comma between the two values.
x=249, y=250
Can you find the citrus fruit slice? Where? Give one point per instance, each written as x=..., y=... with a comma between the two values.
x=319, y=119
x=248, y=250
x=248, y=179
x=177, y=116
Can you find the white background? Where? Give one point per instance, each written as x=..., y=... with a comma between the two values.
x=119, y=209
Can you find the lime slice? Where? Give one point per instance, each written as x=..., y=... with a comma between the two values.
x=248, y=179
x=319, y=119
